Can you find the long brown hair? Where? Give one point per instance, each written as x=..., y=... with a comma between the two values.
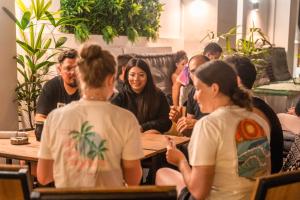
x=148, y=100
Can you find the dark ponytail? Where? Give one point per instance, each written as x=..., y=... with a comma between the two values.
x=221, y=73
x=241, y=98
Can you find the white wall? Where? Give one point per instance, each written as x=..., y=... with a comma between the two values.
x=285, y=27
x=170, y=20
x=199, y=17
x=8, y=69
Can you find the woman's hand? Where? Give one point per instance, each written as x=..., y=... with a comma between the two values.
x=173, y=155
x=175, y=113
x=185, y=123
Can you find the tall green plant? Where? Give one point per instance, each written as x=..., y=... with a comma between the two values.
x=112, y=18
x=254, y=45
x=38, y=47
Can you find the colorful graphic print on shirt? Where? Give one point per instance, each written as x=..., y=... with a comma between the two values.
x=85, y=150
x=253, y=149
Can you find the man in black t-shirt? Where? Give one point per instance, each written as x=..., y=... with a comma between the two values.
x=60, y=90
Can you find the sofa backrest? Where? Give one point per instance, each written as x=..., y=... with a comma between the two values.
x=162, y=66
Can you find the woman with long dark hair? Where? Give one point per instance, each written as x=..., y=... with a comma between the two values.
x=229, y=148
x=143, y=98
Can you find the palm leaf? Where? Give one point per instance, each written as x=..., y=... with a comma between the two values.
x=38, y=42
x=12, y=16
x=21, y=5
x=61, y=41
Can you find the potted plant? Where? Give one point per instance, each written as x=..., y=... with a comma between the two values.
x=255, y=45
x=112, y=18
x=37, y=48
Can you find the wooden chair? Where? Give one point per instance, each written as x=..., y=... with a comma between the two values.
x=14, y=182
x=137, y=192
x=278, y=186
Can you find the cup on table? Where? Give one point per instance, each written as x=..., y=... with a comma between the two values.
x=38, y=130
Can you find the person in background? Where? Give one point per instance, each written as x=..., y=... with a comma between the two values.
x=85, y=143
x=229, y=147
x=185, y=124
x=290, y=121
x=181, y=60
x=213, y=51
x=143, y=98
x=60, y=90
x=246, y=77
x=122, y=61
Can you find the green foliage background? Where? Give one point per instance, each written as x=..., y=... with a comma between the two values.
x=112, y=18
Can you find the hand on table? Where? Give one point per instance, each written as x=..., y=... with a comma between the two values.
x=173, y=155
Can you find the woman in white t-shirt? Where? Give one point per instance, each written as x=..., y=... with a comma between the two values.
x=88, y=143
x=229, y=148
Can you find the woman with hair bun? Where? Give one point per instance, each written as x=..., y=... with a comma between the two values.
x=143, y=98
x=85, y=144
x=229, y=148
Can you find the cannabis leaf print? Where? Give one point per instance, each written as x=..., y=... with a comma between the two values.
x=85, y=142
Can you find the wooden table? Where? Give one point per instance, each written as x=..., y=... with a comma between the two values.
x=153, y=147
x=153, y=144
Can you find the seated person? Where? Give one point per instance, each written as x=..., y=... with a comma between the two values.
x=122, y=61
x=61, y=89
x=290, y=121
x=246, y=76
x=181, y=60
x=85, y=143
x=222, y=142
x=180, y=94
x=143, y=98
x=185, y=124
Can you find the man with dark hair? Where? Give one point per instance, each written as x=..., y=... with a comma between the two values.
x=213, y=51
x=61, y=89
x=246, y=76
x=185, y=124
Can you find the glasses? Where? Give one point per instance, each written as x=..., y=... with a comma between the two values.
x=69, y=69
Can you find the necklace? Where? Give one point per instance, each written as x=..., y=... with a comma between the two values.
x=94, y=98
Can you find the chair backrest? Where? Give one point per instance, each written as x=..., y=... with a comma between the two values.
x=14, y=182
x=278, y=186
x=138, y=192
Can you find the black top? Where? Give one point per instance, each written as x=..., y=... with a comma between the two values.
x=276, y=134
x=119, y=85
x=192, y=106
x=159, y=122
x=53, y=96
x=297, y=108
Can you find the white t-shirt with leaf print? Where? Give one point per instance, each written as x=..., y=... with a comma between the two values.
x=87, y=141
